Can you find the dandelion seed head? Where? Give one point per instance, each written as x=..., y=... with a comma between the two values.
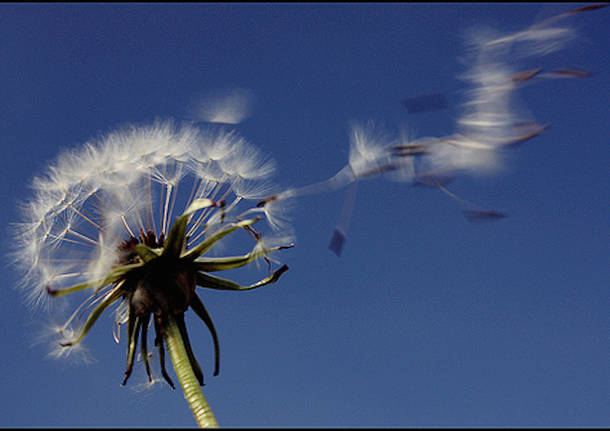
x=115, y=187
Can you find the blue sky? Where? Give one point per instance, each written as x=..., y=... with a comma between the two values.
x=426, y=319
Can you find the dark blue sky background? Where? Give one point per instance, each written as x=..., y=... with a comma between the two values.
x=426, y=319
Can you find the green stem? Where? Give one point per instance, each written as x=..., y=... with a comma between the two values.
x=190, y=386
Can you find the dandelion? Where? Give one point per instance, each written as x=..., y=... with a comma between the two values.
x=102, y=221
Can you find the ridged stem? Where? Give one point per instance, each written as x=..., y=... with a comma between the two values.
x=190, y=386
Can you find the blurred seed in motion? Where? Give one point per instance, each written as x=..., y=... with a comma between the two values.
x=568, y=73
x=483, y=215
x=340, y=234
x=411, y=149
x=525, y=75
x=528, y=131
x=432, y=179
x=588, y=8
x=337, y=241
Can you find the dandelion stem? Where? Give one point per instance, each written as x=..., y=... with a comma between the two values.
x=190, y=386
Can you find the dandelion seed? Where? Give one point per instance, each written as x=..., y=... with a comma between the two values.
x=228, y=107
x=568, y=73
x=525, y=75
x=337, y=241
x=483, y=215
x=370, y=155
x=525, y=132
x=491, y=120
x=339, y=234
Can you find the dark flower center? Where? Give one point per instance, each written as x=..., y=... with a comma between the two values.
x=163, y=285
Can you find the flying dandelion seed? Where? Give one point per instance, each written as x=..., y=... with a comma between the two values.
x=490, y=123
x=568, y=73
x=370, y=155
x=102, y=222
x=228, y=107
